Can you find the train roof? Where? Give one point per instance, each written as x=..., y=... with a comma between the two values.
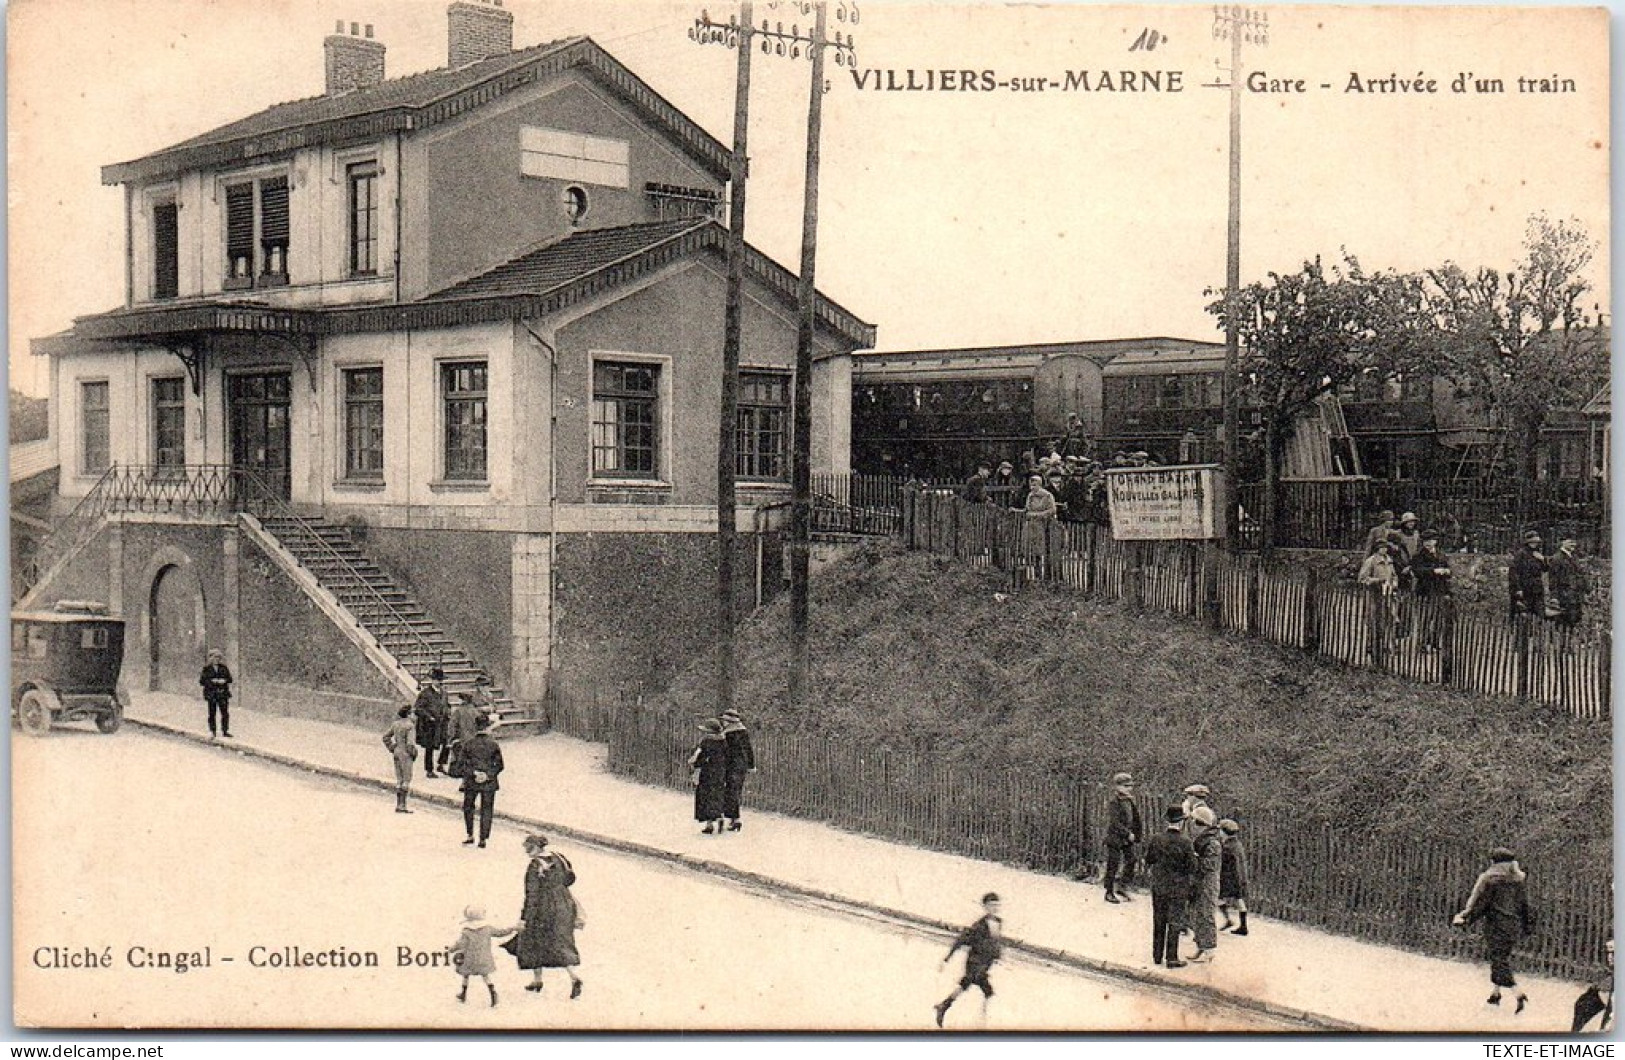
x=1021, y=359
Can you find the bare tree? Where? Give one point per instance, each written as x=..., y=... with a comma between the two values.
x=1521, y=342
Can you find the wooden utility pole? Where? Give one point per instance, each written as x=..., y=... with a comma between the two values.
x=1235, y=23
x=737, y=37
x=807, y=294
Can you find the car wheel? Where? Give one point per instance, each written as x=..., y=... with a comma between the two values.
x=110, y=721
x=35, y=712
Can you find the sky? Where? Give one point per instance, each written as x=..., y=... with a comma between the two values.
x=947, y=217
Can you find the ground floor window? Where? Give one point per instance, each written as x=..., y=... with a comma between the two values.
x=463, y=397
x=364, y=423
x=94, y=455
x=760, y=440
x=625, y=403
x=169, y=423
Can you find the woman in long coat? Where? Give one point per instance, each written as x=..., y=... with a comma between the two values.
x=1501, y=902
x=741, y=763
x=710, y=764
x=547, y=938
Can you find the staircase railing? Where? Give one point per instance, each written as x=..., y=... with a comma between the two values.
x=253, y=496
x=67, y=536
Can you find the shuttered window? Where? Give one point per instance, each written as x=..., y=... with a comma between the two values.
x=257, y=233
x=165, y=250
x=240, y=235
x=274, y=227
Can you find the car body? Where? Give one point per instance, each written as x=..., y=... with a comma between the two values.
x=65, y=666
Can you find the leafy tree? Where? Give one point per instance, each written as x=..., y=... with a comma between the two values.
x=28, y=417
x=1306, y=333
x=1521, y=342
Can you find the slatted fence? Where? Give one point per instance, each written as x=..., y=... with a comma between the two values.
x=1424, y=640
x=1395, y=890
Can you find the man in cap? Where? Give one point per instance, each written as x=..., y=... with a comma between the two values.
x=1004, y=485
x=1171, y=861
x=1122, y=832
x=431, y=711
x=1196, y=797
x=1525, y=590
x=216, y=683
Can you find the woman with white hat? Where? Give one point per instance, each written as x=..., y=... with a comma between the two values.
x=741, y=762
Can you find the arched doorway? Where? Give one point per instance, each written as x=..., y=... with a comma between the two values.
x=175, y=630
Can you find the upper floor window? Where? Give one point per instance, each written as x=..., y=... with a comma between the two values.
x=94, y=455
x=760, y=440
x=625, y=400
x=363, y=182
x=257, y=233
x=166, y=273
x=364, y=423
x=462, y=393
x=169, y=422
x=574, y=157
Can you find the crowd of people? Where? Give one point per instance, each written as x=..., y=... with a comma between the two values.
x=1402, y=560
x=1068, y=487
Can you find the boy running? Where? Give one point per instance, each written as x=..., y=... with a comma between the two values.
x=983, y=942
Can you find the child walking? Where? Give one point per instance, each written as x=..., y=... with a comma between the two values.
x=983, y=942
x=1233, y=878
x=471, y=953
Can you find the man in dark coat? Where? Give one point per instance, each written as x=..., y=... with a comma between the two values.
x=462, y=723
x=983, y=943
x=741, y=762
x=216, y=682
x=976, y=486
x=1122, y=832
x=1501, y=902
x=482, y=762
x=431, y=713
x=1568, y=582
x=1171, y=860
x=1430, y=572
x=1527, y=595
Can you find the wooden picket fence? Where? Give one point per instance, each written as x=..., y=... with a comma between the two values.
x=1393, y=890
x=1425, y=640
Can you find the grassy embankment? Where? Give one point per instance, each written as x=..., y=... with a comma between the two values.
x=915, y=651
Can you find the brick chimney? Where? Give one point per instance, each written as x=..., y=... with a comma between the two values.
x=353, y=60
x=477, y=29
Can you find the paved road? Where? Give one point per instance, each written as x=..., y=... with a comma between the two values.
x=158, y=846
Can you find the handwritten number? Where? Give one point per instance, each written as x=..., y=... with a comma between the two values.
x=1148, y=40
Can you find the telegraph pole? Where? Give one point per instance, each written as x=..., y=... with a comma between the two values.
x=1237, y=24
x=735, y=35
x=775, y=39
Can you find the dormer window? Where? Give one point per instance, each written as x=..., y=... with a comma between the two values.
x=257, y=233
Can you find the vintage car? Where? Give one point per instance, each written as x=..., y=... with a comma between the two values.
x=65, y=666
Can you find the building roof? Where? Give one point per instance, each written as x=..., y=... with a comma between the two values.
x=1601, y=404
x=535, y=284
x=417, y=101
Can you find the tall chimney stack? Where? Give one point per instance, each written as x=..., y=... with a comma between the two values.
x=353, y=60
x=477, y=29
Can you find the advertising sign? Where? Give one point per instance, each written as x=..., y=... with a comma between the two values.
x=1166, y=503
